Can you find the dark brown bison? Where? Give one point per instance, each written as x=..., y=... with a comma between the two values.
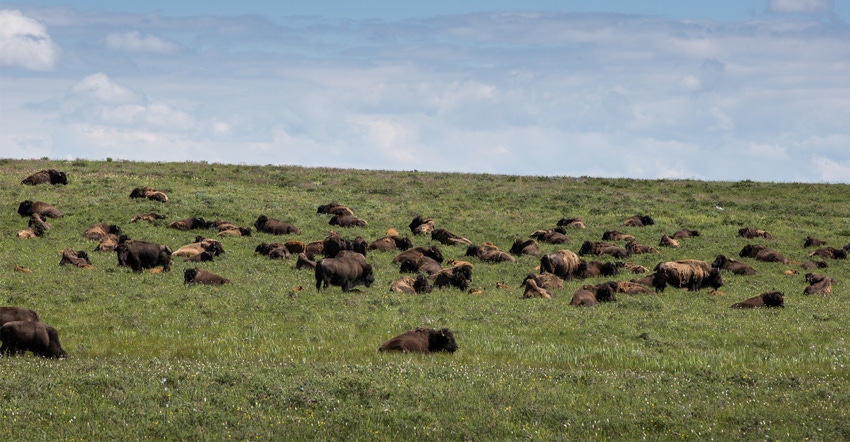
x=602, y=248
x=684, y=234
x=333, y=244
x=275, y=227
x=47, y=176
x=488, y=252
x=10, y=314
x=190, y=224
x=613, y=235
x=576, y=223
x=421, y=225
x=390, y=242
x=422, y=340
x=769, y=299
x=736, y=267
x=201, y=257
x=200, y=245
x=304, y=262
x=812, y=242
x=18, y=337
x=267, y=248
x=445, y=237
x=424, y=264
x=38, y=224
x=691, y=274
x=818, y=284
x=457, y=276
x=563, y=263
x=415, y=252
x=226, y=228
x=557, y=235
x=750, y=233
x=589, y=295
x=140, y=255
x=149, y=193
x=335, y=208
x=591, y=269
x=198, y=275
x=411, y=285
x=97, y=231
x=347, y=221
x=636, y=248
x=28, y=207
x=149, y=217
x=346, y=270
x=667, y=241
x=808, y=265
x=532, y=290
x=762, y=253
x=77, y=258
x=830, y=252
x=638, y=221
x=527, y=247
x=545, y=280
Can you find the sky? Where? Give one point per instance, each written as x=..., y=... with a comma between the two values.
x=658, y=89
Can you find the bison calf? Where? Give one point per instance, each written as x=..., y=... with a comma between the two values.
x=422, y=340
x=198, y=275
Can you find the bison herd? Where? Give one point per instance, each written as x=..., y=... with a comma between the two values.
x=344, y=263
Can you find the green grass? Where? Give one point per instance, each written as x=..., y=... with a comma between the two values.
x=151, y=358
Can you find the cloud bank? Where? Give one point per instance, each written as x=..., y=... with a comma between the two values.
x=24, y=42
x=509, y=93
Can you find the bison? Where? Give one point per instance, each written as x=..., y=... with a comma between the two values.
x=97, y=231
x=563, y=263
x=38, y=224
x=769, y=299
x=613, y=235
x=527, y=247
x=589, y=295
x=545, y=280
x=532, y=290
x=423, y=263
x=638, y=221
x=415, y=252
x=602, y=248
x=818, y=284
x=347, y=221
x=684, y=234
x=736, y=267
x=411, y=285
x=201, y=257
x=571, y=222
x=691, y=274
x=590, y=269
x=47, y=176
x=390, y=242
x=488, y=252
x=457, y=276
x=198, y=275
x=422, y=340
x=140, y=255
x=28, y=207
x=421, y=225
x=78, y=258
x=812, y=242
x=335, y=208
x=149, y=193
x=18, y=337
x=830, y=252
x=333, y=244
x=762, y=253
x=149, y=217
x=190, y=224
x=445, y=237
x=557, y=235
x=346, y=270
x=750, y=233
x=10, y=314
x=304, y=262
x=668, y=241
x=200, y=245
x=636, y=248
x=275, y=227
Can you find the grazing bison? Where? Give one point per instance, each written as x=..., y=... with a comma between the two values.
x=422, y=340
x=769, y=299
x=415, y=252
x=557, y=235
x=346, y=270
x=527, y=247
x=411, y=285
x=638, y=221
x=830, y=252
x=47, y=176
x=667, y=241
x=335, y=208
x=421, y=225
x=78, y=258
x=750, y=233
x=563, y=263
x=149, y=193
x=736, y=267
x=762, y=253
x=590, y=269
x=613, y=235
x=589, y=295
x=347, y=221
x=190, y=224
x=28, y=207
x=275, y=227
x=149, y=217
x=545, y=280
x=390, y=242
x=488, y=252
x=98, y=231
x=571, y=222
x=602, y=248
x=457, y=276
x=10, y=314
x=140, y=255
x=532, y=290
x=691, y=274
x=818, y=284
x=198, y=275
x=18, y=337
x=445, y=237
x=812, y=242
x=200, y=245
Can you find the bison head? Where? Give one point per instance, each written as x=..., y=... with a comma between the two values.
x=442, y=340
x=189, y=275
x=773, y=299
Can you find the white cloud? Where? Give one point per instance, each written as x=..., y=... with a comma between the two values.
x=25, y=42
x=812, y=7
x=831, y=171
x=134, y=42
x=98, y=87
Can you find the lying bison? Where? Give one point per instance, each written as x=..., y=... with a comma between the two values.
x=333, y=244
x=390, y=242
x=415, y=252
x=750, y=233
x=149, y=193
x=527, y=247
x=28, y=207
x=736, y=267
x=533, y=290
x=200, y=245
x=77, y=258
x=812, y=242
x=762, y=253
x=639, y=221
x=818, y=284
x=488, y=252
x=140, y=255
x=691, y=274
x=19, y=337
x=347, y=270
x=830, y=253
x=421, y=225
x=334, y=208
x=422, y=340
x=198, y=275
x=448, y=238
x=97, y=231
x=769, y=299
x=47, y=176
x=573, y=222
x=149, y=217
x=10, y=314
x=347, y=221
x=411, y=285
x=589, y=295
x=557, y=235
x=457, y=276
x=602, y=248
x=563, y=263
x=195, y=223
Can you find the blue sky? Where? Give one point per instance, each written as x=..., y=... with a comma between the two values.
x=723, y=90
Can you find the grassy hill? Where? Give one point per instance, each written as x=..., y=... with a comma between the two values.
x=270, y=357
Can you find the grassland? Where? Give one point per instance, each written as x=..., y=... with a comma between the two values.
x=262, y=359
